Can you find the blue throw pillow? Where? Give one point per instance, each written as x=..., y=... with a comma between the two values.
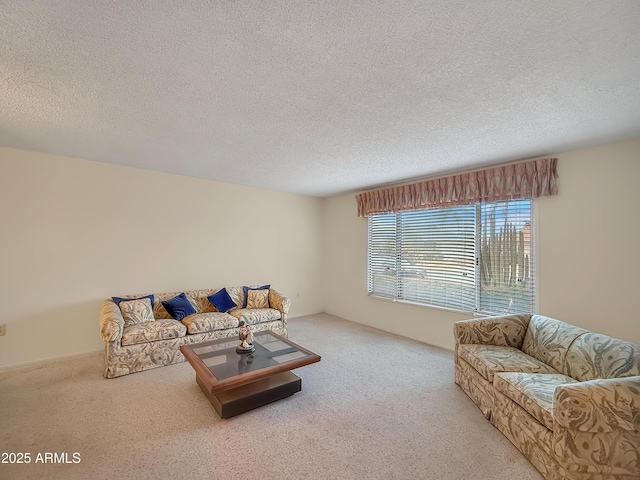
x=222, y=301
x=179, y=307
x=246, y=289
x=117, y=300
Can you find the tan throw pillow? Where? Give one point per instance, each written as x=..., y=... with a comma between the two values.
x=136, y=311
x=258, y=299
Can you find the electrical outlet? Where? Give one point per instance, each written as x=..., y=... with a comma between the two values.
x=3, y=330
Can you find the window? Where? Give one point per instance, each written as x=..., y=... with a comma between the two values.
x=474, y=258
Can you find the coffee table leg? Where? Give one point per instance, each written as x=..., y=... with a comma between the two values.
x=253, y=395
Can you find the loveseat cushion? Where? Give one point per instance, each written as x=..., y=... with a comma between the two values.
x=209, y=322
x=506, y=331
x=603, y=405
x=532, y=391
x=491, y=359
x=256, y=315
x=150, y=331
x=548, y=340
x=594, y=356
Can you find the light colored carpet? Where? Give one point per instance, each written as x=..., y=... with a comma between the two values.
x=377, y=406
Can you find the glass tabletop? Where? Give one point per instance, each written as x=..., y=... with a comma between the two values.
x=220, y=356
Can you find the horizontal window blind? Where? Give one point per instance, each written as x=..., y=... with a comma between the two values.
x=437, y=257
x=505, y=258
x=382, y=255
x=474, y=258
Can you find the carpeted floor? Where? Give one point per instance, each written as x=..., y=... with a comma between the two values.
x=377, y=406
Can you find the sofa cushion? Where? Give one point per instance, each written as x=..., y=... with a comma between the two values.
x=117, y=300
x=209, y=322
x=222, y=301
x=532, y=391
x=594, y=356
x=150, y=331
x=245, y=290
x=179, y=306
x=506, y=331
x=137, y=311
x=236, y=294
x=199, y=300
x=256, y=315
x=548, y=340
x=158, y=309
x=491, y=359
x=258, y=299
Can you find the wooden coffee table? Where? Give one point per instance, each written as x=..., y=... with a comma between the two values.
x=235, y=383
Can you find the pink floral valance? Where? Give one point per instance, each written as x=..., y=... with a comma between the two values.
x=533, y=179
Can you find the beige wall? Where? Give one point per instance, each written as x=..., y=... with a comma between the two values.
x=74, y=232
x=589, y=254
x=590, y=241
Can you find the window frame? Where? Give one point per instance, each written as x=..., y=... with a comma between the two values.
x=477, y=310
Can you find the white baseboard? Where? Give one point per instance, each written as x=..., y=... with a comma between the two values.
x=432, y=344
x=42, y=361
x=60, y=358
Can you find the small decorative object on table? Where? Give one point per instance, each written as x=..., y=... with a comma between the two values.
x=246, y=339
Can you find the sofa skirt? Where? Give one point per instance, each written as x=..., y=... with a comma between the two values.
x=122, y=360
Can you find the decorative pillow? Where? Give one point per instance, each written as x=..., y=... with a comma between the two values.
x=258, y=299
x=117, y=300
x=222, y=301
x=179, y=307
x=136, y=311
x=246, y=289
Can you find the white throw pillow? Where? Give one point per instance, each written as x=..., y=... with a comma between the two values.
x=258, y=299
x=137, y=311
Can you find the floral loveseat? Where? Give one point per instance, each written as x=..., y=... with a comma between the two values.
x=567, y=398
x=148, y=336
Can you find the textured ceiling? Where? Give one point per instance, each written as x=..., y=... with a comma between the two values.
x=317, y=98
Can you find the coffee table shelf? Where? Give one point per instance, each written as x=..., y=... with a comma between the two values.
x=235, y=383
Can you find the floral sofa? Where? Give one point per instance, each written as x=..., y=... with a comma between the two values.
x=567, y=398
x=154, y=337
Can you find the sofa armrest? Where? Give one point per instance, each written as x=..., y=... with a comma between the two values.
x=503, y=331
x=597, y=426
x=111, y=321
x=279, y=302
x=599, y=405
